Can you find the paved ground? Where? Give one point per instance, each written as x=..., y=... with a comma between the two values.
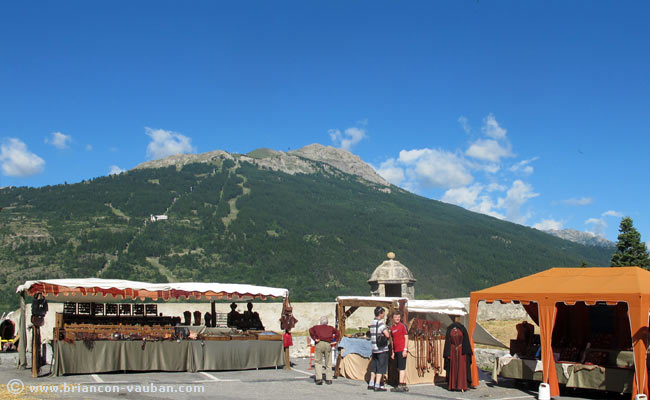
x=278, y=384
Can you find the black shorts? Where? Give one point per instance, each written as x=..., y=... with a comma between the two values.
x=401, y=361
x=379, y=363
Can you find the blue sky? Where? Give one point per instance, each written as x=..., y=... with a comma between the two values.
x=534, y=112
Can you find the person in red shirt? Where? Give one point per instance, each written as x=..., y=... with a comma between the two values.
x=324, y=335
x=400, y=336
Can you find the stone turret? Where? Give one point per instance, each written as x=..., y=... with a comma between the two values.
x=392, y=279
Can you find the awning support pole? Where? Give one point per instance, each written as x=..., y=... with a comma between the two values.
x=22, y=329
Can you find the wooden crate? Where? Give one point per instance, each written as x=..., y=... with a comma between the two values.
x=215, y=338
x=243, y=337
x=273, y=336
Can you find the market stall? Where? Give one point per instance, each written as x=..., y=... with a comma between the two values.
x=593, y=327
x=427, y=321
x=95, y=333
x=7, y=334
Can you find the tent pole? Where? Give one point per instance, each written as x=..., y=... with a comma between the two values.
x=340, y=322
x=213, y=310
x=22, y=329
x=547, y=313
x=36, y=344
x=638, y=314
x=473, y=314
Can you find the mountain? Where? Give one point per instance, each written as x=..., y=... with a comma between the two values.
x=317, y=221
x=586, y=238
x=308, y=160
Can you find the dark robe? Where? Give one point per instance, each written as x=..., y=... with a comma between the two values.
x=233, y=319
x=287, y=321
x=187, y=316
x=251, y=320
x=525, y=332
x=458, y=360
x=39, y=305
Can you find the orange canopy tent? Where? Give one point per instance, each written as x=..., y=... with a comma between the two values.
x=549, y=288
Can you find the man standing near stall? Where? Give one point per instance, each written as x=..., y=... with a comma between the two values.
x=400, y=336
x=379, y=335
x=323, y=335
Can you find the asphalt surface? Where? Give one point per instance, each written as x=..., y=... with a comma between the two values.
x=297, y=383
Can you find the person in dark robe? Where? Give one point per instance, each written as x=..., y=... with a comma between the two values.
x=187, y=318
x=197, y=318
x=458, y=356
x=525, y=332
x=252, y=319
x=39, y=309
x=233, y=316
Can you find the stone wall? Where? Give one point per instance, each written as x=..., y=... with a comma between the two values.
x=497, y=311
x=308, y=315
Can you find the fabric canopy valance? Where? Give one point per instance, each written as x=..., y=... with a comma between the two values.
x=546, y=289
x=447, y=306
x=95, y=289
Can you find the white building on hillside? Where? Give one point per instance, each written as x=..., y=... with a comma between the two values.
x=155, y=218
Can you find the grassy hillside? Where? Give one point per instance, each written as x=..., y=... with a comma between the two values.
x=319, y=235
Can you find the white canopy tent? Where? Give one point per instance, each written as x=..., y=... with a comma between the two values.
x=103, y=290
x=95, y=289
x=435, y=310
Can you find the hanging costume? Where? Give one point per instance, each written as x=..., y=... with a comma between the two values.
x=458, y=357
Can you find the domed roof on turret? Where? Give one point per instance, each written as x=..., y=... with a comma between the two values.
x=391, y=271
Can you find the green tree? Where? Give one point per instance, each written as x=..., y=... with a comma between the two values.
x=630, y=250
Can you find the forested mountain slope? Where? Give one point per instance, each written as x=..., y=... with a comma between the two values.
x=317, y=231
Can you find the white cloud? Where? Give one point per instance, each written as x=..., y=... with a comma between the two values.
x=491, y=168
x=167, y=143
x=59, y=140
x=17, y=160
x=489, y=150
x=425, y=168
x=391, y=172
x=523, y=166
x=419, y=169
x=464, y=123
x=598, y=226
x=89, y=147
x=549, y=224
x=582, y=201
x=471, y=199
x=492, y=129
x=508, y=207
x=486, y=206
x=516, y=196
x=494, y=187
x=410, y=156
x=436, y=168
x=492, y=148
x=115, y=170
x=349, y=138
x=463, y=196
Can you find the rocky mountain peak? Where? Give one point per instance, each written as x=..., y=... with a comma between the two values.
x=292, y=162
x=183, y=159
x=586, y=238
x=342, y=160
